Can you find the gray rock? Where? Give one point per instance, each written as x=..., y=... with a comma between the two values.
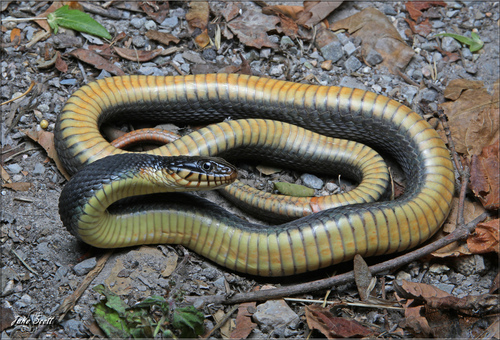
x=138, y=22
x=84, y=267
x=333, y=51
x=150, y=25
x=438, y=24
x=286, y=42
x=209, y=54
x=178, y=58
x=139, y=41
x=69, y=82
x=276, y=70
x=466, y=53
x=315, y=55
x=265, y=53
x=409, y=93
x=193, y=57
x=311, y=181
x=170, y=22
x=349, y=48
x=438, y=268
x=449, y=44
x=14, y=168
x=352, y=64
x=39, y=169
x=389, y=10
x=343, y=38
x=373, y=57
x=352, y=83
x=429, y=95
x=448, y=288
x=274, y=313
x=451, y=14
x=74, y=328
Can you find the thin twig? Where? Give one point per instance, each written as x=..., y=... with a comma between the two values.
x=24, y=263
x=20, y=96
x=221, y=321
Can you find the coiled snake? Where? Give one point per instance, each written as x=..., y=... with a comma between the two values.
x=315, y=241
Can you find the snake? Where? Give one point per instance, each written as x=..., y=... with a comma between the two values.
x=291, y=123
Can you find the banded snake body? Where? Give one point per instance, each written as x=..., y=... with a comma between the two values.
x=315, y=241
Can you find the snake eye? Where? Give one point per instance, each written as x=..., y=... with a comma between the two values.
x=207, y=166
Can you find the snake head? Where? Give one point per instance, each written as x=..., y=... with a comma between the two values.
x=187, y=173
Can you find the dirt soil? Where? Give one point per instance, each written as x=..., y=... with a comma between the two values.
x=42, y=263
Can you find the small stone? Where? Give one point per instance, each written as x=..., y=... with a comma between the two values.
x=193, y=57
x=150, y=25
x=84, y=267
x=275, y=313
x=352, y=83
x=14, y=168
x=409, y=93
x=438, y=24
x=265, y=53
x=389, y=10
x=403, y=276
x=449, y=44
x=209, y=54
x=139, y=41
x=39, y=169
x=170, y=22
x=343, y=38
x=429, y=95
x=315, y=55
x=69, y=82
x=448, y=288
x=332, y=187
x=286, y=42
x=312, y=181
x=438, y=268
x=349, y=48
x=451, y=14
x=74, y=328
x=376, y=88
x=466, y=53
x=333, y=51
x=276, y=70
x=138, y=22
x=373, y=57
x=326, y=65
x=352, y=64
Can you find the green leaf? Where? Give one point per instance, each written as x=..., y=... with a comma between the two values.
x=474, y=42
x=76, y=20
x=154, y=300
x=295, y=190
x=110, y=321
x=189, y=321
x=113, y=301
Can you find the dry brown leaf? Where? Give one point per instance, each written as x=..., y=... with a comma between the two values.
x=15, y=34
x=60, y=63
x=203, y=39
x=363, y=277
x=288, y=26
x=7, y=318
x=415, y=8
x=162, y=37
x=485, y=178
x=378, y=33
x=423, y=28
x=473, y=117
x=414, y=320
x=315, y=11
x=244, y=324
x=197, y=16
x=231, y=10
x=171, y=264
x=485, y=237
x=117, y=282
x=46, y=141
x=252, y=26
x=290, y=11
x=5, y=175
x=417, y=290
x=331, y=326
x=138, y=55
x=42, y=22
x=158, y=12
x=97, y=61
x=17, y=186
x=470, y=304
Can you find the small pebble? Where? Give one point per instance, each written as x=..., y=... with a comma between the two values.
x=138, y=22
x=39, y=169
x=14, y=168
x=373, y=57
x=349, y=48
x=150, y=25
x=312, y=181
x=449, y=44
x=84, y=267
x=353, y=64
x=170, y=22
x=333, y=51
x=438, y=268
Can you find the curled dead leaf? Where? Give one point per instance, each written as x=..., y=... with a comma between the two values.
x=162, y=37
x=474, y=117
x=377, y=32
x=97, y=61
x=485, y=238
x=138, y=55
x=485, y=178
x=197, y=16
x=252, y=26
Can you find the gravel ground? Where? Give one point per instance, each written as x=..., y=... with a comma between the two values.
x=42, y=263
